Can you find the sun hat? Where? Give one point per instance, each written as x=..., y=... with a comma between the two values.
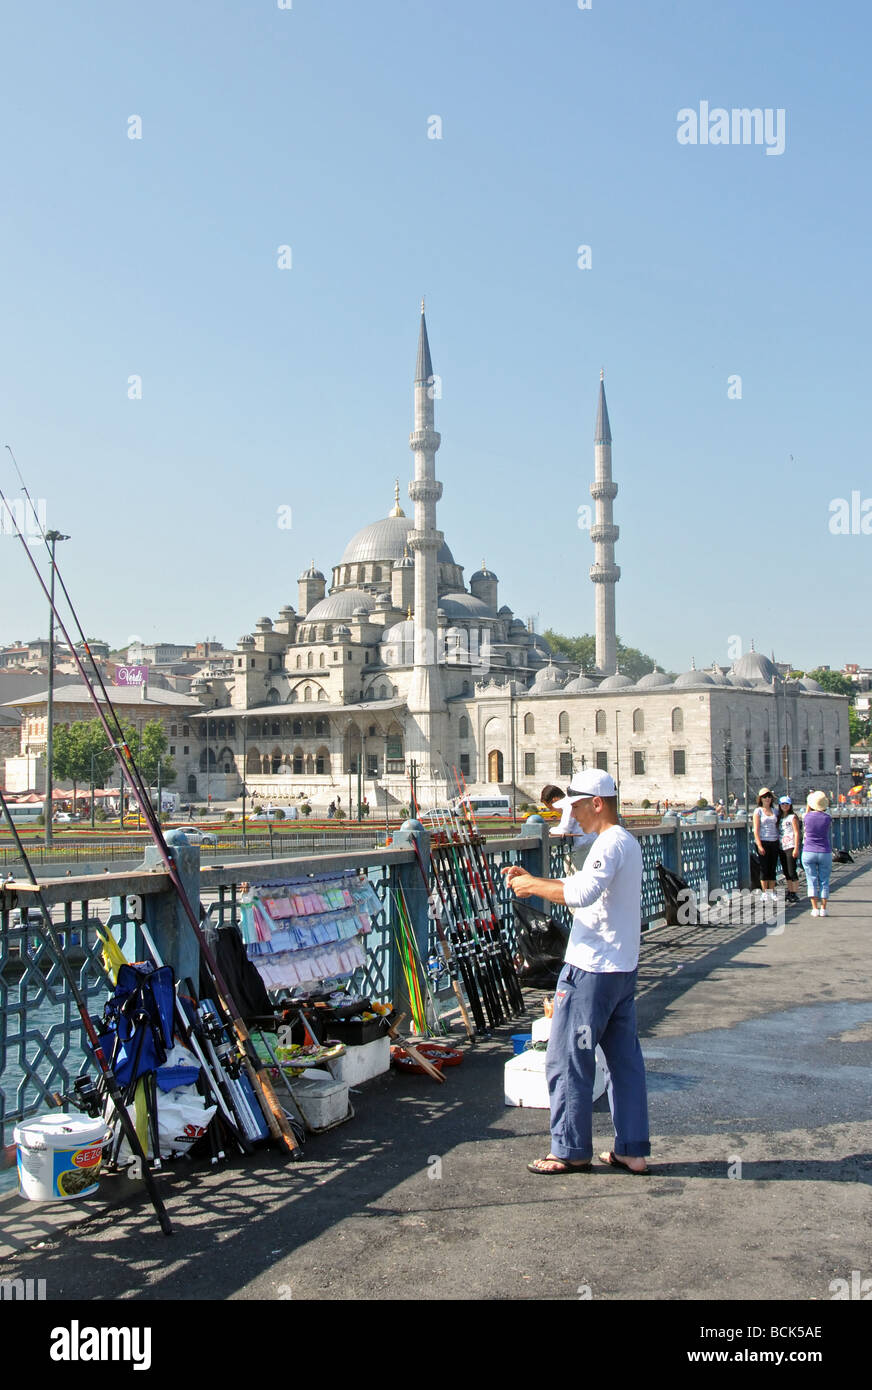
x=817, y=801
x=765, y=791
x=587, y=784
x=785, y=801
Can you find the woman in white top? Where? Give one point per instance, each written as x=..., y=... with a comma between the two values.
x=766, y=837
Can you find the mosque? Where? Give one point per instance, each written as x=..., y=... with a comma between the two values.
x=401, y=672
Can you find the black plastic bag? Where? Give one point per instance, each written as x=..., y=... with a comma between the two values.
x=677, y=893
x=755, y=862
x=542, y=946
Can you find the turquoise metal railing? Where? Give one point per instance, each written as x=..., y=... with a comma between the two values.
x=41, y=1045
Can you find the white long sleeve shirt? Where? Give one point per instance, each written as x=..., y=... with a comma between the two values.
x=606, y=901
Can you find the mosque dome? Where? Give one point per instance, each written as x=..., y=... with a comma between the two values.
x=361, y=611
x=386, y=540
x=653, y=680
x=547, y=680
x=400, y=632
x=578, y=684
x=341, y=605
x=246, y=641
x=809, y=683
x=754, y=666
x=616, y=682
x=384, y=601
x=341, y=630
x=716, y=675
x=691, y=678
x=311, y=573
x=483, y=573
x=463, y=606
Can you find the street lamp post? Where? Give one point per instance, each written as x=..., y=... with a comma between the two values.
x=53, y=537
x=244, y=773
x=92, y=791
x=617, y=760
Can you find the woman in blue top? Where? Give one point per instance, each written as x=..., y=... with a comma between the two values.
x=817, y=851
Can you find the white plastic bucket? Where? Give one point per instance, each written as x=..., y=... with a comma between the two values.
x=59, y=1156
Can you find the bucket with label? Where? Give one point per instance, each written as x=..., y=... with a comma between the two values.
x=59, y=1156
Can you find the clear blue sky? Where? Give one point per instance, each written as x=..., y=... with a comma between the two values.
x=264, y=388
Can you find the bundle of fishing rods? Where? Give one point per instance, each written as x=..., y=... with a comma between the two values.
x=465, y=912
x=230, y=1017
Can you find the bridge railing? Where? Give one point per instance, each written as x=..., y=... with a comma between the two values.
x=41, y=1037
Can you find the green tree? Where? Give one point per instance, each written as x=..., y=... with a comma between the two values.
x=859, y=728
x=834, y=682
x=582, y=650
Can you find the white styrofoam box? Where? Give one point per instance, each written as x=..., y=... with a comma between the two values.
x=542, y=1029
x=362, y=1063
x=525, y=1082
x=322, y=1101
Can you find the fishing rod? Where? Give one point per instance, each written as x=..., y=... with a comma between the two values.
x=457, y=960
x=445, y=857
x=112, y=1087
x=483, y=942
x=488, y=894
x=275, y=1116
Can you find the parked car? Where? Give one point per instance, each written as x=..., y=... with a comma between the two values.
x=64, y=817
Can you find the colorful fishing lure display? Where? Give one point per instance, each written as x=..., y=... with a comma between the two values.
x=300, y=932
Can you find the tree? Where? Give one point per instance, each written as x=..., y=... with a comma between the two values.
x=859, y=727
x=582, y=650
x=74, y=747
x=834, y=682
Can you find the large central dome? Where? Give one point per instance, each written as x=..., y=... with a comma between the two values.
x=385, y=540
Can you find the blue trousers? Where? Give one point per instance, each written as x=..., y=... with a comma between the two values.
x=818, y=867
x=591, y=1009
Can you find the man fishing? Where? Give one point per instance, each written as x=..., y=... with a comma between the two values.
x=594, y=1000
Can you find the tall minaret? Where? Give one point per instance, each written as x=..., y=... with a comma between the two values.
x=425, y=694
x=604, y=572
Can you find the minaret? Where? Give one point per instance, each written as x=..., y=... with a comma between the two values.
x=425, y=694
x=604, y=572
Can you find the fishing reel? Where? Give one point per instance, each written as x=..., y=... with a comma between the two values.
x=214, y=1031
x=86, y=1097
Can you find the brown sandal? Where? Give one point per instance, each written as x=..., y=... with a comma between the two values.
x=612, y=1161
x=566, y=1167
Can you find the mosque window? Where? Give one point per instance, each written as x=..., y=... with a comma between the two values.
x=299, y=662
x=322, y=660
x=838, y=757
x=638, y=762
x=376, y=573
x=563, y=723
x=529, y=724
x=529, y=764
x=638, y=722
x=820, y=766
x=679, y=762
x=307, y=693
x=565, y=764
x=310, y=660
x=602, y=761
x=678, y=721
x=463, y=730
x=803, y=758
x=298, y=761
x=464, y=764
x=600, y=721
x=351, y=656
x=321, y=727
x=335, y=656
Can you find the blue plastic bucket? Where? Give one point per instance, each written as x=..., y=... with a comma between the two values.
x=519, y=1042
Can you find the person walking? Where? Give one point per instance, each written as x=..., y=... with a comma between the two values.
x=594, y=999
x=766, y=837
x=817, y=851
x=789, y=836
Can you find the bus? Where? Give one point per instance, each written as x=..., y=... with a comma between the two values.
x=486, y=805
x=24, y=812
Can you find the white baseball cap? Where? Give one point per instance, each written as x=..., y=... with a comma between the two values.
x=587, y=784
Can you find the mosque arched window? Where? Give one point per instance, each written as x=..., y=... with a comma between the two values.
x=638, y=721
x=322, y=727
x=678, y=721
x=307, y=693
x=322, y=660
x=529, y=724
x=310, y=660
x=298, y=761
x=376, y=573
x=299, y=662
x=563, y=722
x=600, y=721
x=463, y=729
x=252, y=761
x=322, y=761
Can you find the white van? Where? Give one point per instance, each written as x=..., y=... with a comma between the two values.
x=485, y=805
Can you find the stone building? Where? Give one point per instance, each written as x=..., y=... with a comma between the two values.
x=400, y=669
